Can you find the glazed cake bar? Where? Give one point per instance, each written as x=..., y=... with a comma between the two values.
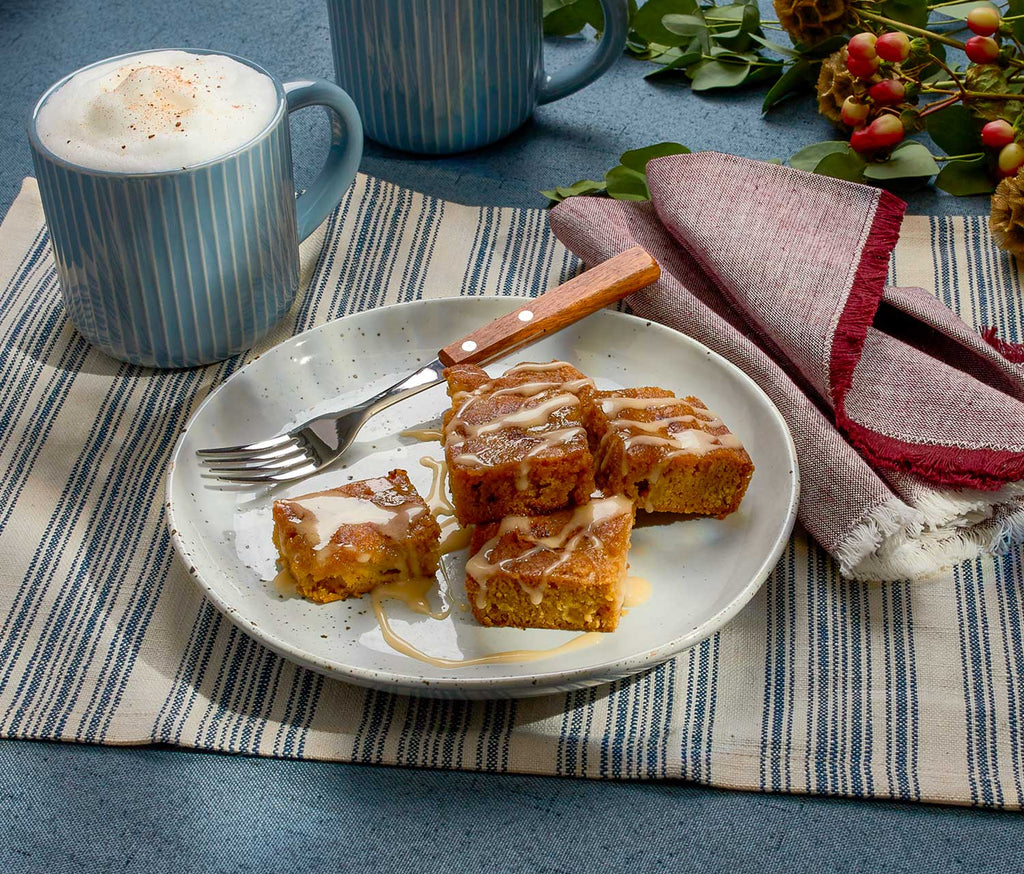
x=344, y=542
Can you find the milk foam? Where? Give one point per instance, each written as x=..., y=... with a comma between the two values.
x=156, y=111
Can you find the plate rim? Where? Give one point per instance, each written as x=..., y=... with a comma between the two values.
x=479, y=687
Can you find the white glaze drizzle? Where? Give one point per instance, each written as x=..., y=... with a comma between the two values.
x=324, y=514
x=693, y=441
x=534, y=420
x=437, y=499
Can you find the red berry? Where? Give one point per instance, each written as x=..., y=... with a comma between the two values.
x=983, y=20
x=1011, y=158
x=862, y=141
x=982, y=49
x=886, y=130
x=854, y=113
x=887, y=91
x=860, y=68
x=893, y=46
x=862, y=46
x=997, y=134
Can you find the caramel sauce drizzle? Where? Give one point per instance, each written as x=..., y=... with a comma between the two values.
x=424, y=435
x=400, y=644
x=635, y=591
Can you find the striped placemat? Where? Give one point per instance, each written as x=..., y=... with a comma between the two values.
x=820, y=685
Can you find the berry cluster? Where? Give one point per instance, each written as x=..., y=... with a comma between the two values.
x=982, y=48
x=872, y=110
x=984, y=23
x=889, y=73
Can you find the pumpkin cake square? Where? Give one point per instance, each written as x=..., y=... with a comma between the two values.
x=515, y=444
x=343, y=542
x=666, y=453
x=564, y=570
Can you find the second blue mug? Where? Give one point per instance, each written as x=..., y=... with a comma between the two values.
x=444, y=76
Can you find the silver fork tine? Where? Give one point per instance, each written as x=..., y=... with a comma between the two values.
x=291, y=448
x=294, y=473
x=247, y=449
x=256, y=464
x=313, y=445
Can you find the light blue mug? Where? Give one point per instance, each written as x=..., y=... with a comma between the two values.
x=185, y=267
x=444, y=76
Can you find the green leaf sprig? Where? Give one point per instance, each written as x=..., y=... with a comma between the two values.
x=625, y=181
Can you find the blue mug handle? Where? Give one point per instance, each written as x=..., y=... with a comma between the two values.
x=317, y=201
x=579, y=75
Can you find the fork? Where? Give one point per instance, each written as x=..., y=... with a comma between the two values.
x=315, y=444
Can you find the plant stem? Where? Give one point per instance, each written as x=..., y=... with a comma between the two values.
x=992, y=95
x=974, y=95
x=729, y=59
x=938, y=105
x=968, y=157
x=909, y=28
x=920, y=31
x=953, y=76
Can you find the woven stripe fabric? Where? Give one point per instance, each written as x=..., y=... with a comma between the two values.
x=821, y=684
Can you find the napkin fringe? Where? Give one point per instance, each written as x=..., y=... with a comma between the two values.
x=984, y=469
x=897, y=542
x=858, y=550
x=1012, y=352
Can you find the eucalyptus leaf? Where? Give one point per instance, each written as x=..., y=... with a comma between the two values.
x=954, y=130
x=646, y=24
x=846, y=165
x=1015, y=8
x=959, y=11
x=775, y=47
x=677, y=65
x=584, y=186
x=965, y=177
x=715, y=74
x=748, y=22
x=625, y=183
x=824, y=48
x=810, y=156
x=684, y=25
x=765, y=72
x=636, y=159
x=792, y=80
x=655, y=52
x=566, y=17
x=913, y=12
x=911, y=160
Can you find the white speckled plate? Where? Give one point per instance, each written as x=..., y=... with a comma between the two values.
x=701, y=571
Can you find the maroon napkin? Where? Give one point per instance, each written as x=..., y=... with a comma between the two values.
x=909, y=426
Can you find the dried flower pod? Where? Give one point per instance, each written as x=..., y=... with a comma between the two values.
x=811, y=21
x=1006, y=221
x=835, y=84
x=991, y=78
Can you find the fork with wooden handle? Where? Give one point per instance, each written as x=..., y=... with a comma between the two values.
x=313, y=445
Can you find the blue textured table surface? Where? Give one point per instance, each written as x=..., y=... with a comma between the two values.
x=70, y=808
